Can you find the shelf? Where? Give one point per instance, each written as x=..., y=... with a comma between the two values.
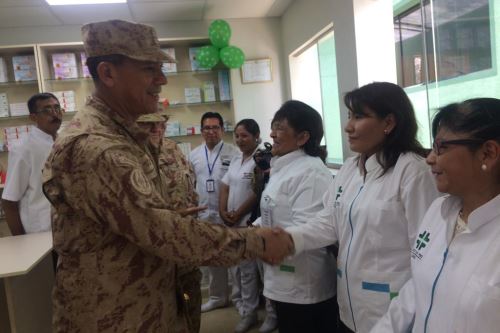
x=203, y=72
x=26, y=117
x=18, y=83
x=68, y=80
x=180, y=105
x=187, y=135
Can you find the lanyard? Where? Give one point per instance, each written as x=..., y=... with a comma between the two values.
x=211, y=168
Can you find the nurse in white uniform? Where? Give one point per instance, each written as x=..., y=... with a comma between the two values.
x=303, y=287
x=236, y=202
x=375, y=206
x=455, y=261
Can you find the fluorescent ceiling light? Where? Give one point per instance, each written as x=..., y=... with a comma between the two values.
x=82, y=2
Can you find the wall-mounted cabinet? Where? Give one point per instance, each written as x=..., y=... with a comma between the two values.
x=60, y=68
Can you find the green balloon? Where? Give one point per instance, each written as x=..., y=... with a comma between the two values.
x=232, y=56
x=207, y=56
x=219, y=33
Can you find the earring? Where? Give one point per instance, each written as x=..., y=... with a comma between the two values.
x=484, y=167
x=386, y=132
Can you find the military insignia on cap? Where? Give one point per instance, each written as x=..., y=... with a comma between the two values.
x=140, y=182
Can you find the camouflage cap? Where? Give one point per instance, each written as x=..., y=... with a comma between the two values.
x=153, y=117
x=134, y=40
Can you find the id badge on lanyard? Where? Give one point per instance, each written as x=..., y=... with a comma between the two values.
x=210, y=185
x=265, y=211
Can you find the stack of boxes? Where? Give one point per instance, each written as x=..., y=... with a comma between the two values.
x=24, y=68
x=4, y=105
x=64, y=66
x=66, y=99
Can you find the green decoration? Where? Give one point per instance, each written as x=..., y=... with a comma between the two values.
x=232, y=56
x=207, y=56
x=219, y=33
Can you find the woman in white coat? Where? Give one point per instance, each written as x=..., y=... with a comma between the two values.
x=236, y=201
x=375, y=205
x=302, y=288
x=455, y=261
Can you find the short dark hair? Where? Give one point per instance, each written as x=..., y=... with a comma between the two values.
x=217, y=115
x=479, y=118
x=39, y=97
x=250, y=126
x=384, y=98
x=93, y=62
x=301, y=117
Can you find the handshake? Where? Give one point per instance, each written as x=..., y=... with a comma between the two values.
x=278, y=245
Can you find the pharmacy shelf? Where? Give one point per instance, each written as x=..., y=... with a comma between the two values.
x=18, y=83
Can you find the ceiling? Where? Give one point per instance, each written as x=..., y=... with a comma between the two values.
x=32, y=13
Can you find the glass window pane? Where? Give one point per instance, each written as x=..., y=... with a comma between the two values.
x=330, y=98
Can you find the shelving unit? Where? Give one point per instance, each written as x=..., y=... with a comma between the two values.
x=187, y=114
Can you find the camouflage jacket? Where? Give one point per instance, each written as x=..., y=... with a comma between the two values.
x=179, y=178
x=117, y=237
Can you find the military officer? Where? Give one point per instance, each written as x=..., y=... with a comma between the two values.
x=178, y=179
x=117, y=237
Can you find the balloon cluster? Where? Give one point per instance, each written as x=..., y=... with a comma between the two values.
x=208, y=56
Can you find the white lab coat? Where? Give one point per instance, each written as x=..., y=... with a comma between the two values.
x=455, y=282
x=375, y=221
x=24, y=180
x=239, y=179
x=293, y=197
x=198, y=160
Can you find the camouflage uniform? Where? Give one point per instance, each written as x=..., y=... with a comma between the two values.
x=180, y=193
x=117, y=238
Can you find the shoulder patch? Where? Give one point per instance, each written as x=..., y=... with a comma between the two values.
x=140, y=182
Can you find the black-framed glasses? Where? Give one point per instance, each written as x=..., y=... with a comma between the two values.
x=210, y=128
x=50, y=109
x=438, y=145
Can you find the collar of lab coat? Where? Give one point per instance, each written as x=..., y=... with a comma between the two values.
x=278, y=162
x=215, y=148
x=480, y=216
x=372, y=167
x=38, y=134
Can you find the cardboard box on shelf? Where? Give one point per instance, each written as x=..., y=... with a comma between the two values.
x=173, y=128
x=19, y=109
x=208, y=91
x=3, y=71
x=195, y=66
x=169, y=67
x=224, y=88
x=192, y=95
x=85, y=69
x=66, y=99
x=64, y=66
x=4, y=105
x=24, y=68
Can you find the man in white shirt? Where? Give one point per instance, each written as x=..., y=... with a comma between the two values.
x=210, y=163
x=26, y=208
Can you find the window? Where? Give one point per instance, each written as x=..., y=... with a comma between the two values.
x=445, y=53
x=456, y=37
x=313, y=73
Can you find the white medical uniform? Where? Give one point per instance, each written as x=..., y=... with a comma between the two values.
x=239, y=179
x=455, y=284
x=293, y=197
x=217, y=160
x=375, y=219
x=24, y=180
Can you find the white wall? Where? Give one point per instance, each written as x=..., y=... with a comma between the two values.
x=364, y=41
x=258, y=38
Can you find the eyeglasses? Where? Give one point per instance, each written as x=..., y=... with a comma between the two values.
x=438, y=145
x=50, y=109
x=210, y=128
